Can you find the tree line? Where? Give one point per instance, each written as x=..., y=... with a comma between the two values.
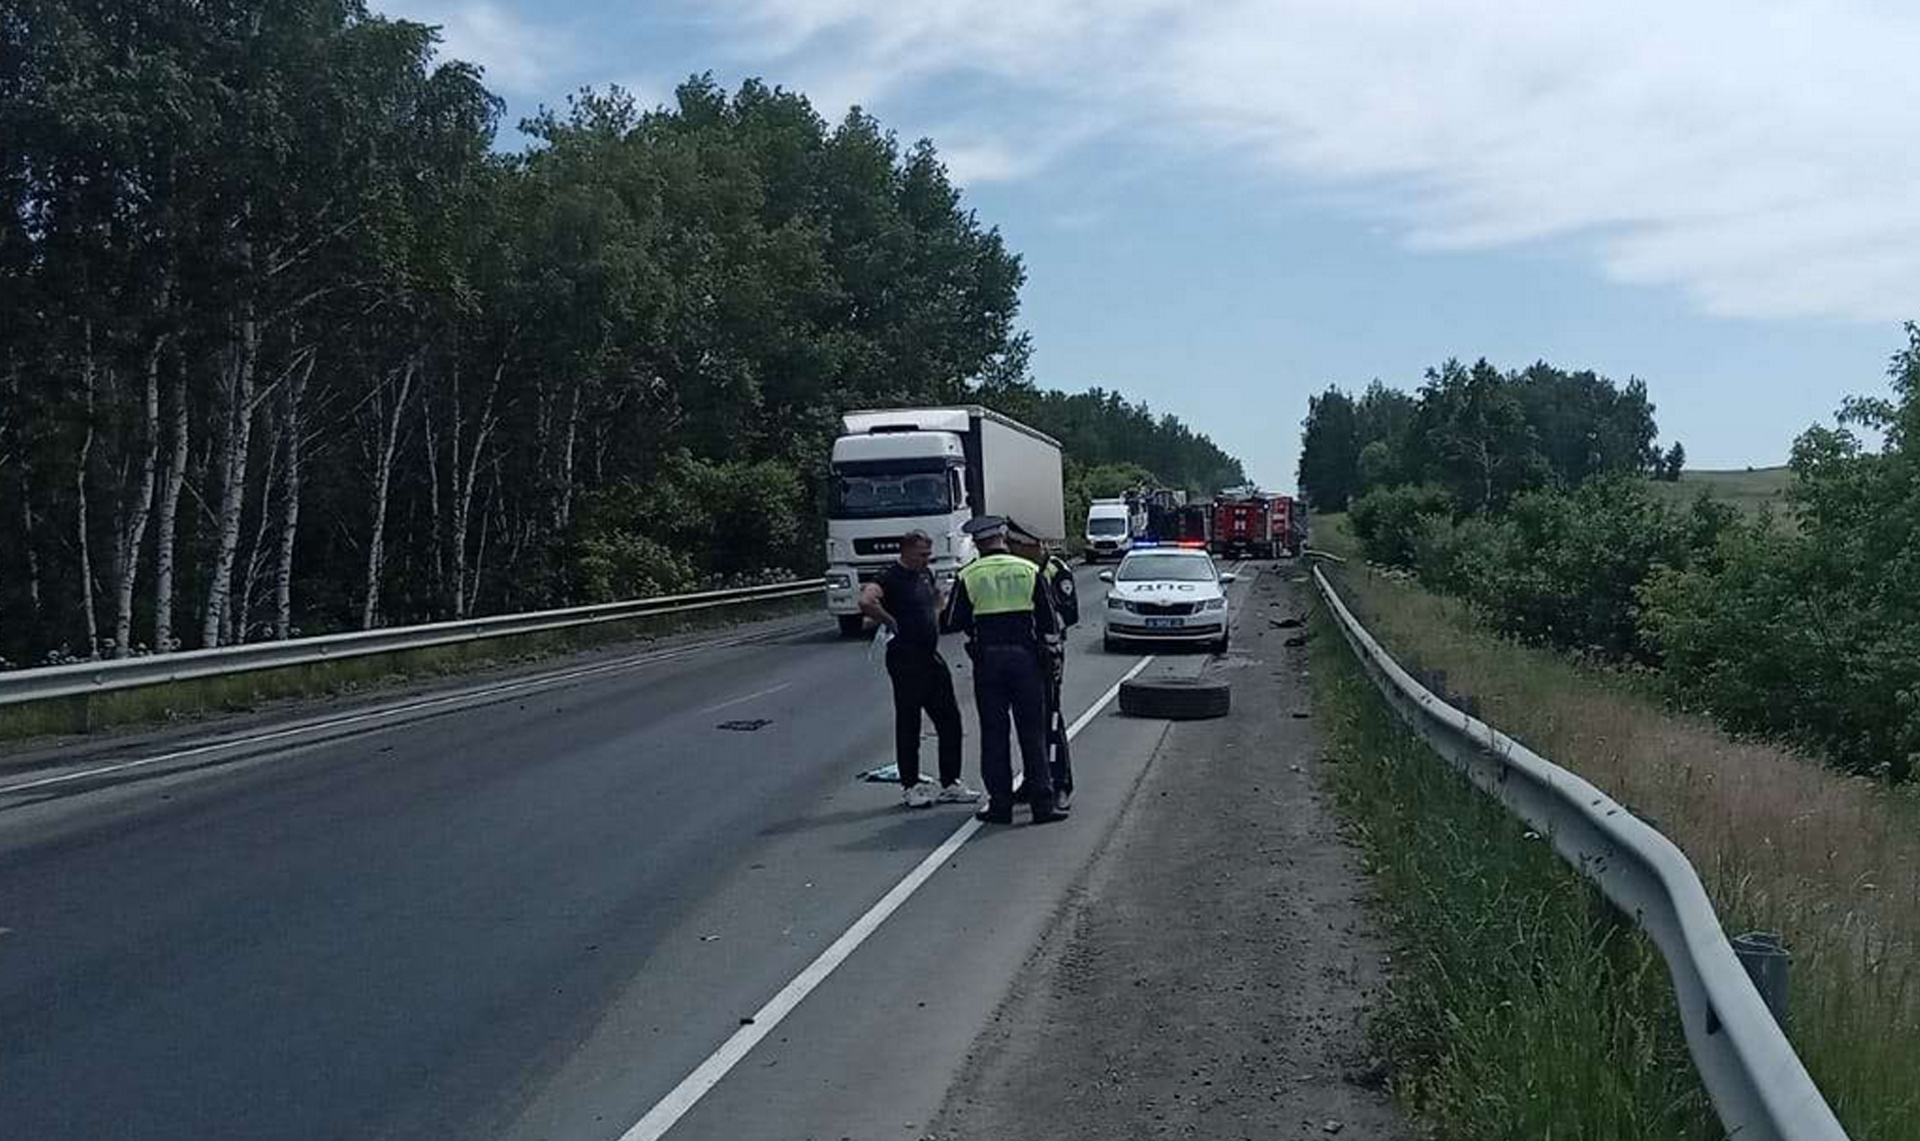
x=1480, y=434
x=1802, y=624
x=287, y=346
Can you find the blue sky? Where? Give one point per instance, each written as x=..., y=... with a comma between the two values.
x=1224, y=207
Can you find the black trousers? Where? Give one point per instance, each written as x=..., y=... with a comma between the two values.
x=1060, y=761
x=921, y=680
x=1009, y=691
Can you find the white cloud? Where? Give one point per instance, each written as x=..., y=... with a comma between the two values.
x=1758, y=155
x=518, y=55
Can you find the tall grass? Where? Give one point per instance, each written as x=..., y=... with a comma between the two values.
x=1520, y=1007
x=240, y=692
x=1782, y=843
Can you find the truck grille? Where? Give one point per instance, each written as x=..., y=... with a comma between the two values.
x=887, y=545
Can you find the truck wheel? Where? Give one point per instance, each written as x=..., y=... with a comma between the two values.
x=851, y=625
x=1175, y=698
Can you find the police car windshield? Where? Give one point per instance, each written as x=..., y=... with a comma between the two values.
x=1166, y=568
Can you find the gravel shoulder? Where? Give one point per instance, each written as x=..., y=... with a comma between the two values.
x=1209, y=976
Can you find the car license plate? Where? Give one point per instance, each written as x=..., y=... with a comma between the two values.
x=1153, y=623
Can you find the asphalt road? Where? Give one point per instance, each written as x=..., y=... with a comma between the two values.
x=529, y=912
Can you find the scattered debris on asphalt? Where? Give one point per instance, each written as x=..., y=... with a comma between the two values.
x=753, y=725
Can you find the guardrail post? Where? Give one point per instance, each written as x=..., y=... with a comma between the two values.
x=1764, y=955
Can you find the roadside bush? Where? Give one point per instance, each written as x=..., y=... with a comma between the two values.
x=1813, y=633
x=622, y=565
x=1386, y=520
x=1572, y=563
x=1454, y=555
x=697, y=523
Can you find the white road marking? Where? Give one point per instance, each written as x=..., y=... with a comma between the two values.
x=745, y=697
x=668, y=1111
x=469, y=695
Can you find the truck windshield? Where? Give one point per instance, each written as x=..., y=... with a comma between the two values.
x=888, y=494
x=1106, y=526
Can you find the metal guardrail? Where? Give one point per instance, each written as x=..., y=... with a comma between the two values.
x=82, y=678
x=1758, y=1085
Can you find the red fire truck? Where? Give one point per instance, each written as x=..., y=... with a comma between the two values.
x=1250, y=524
x=1286, y=526
x=1243, y=526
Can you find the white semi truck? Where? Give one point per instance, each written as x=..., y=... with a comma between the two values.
x=931, y=469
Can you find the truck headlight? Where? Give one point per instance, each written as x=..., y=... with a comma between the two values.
x=839, y=581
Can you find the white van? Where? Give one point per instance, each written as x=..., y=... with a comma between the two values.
x=1109, y=530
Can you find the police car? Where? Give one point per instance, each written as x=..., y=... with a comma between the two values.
x=1167, y=594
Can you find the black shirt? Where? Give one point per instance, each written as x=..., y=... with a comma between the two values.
x=909, y=596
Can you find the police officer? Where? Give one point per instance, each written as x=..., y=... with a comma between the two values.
x=1053, y=655
x=1004, y=607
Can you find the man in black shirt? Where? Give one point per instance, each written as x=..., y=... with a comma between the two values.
x=906, y=601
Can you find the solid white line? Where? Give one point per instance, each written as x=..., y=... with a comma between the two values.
x=1093, y=710
x=668, y=1111
x=469, y=695
x=746, y=697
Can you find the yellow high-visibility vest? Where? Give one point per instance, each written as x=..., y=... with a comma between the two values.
x=1000, y=584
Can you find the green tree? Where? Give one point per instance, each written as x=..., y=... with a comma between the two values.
x=1330, y=451
x=1673, y=463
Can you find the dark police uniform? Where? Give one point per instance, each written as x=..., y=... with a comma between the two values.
x=1066, y=608
x=1005, y=607
x=920, y=676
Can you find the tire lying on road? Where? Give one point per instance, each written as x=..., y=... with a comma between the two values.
x=1175, y=698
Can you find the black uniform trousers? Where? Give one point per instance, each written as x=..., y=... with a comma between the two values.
x=921, y=680
x=1009, y=691
x=1061, y=761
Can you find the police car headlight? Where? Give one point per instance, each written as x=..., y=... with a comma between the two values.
x=1214, y=604
x=1116, y=603
x=839, y=581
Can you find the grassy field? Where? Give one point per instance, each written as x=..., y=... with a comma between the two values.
x=1782, y=843
x=1747, y=490
x=157, y=704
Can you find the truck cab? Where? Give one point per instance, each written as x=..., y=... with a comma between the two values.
x=931, y=470
x=882, y=486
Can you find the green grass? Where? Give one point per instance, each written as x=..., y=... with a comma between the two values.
x=179, y=701
x=1748, y=490
x=1781, y=842
x=1520, y=1006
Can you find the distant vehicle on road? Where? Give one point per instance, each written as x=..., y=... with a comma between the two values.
x=1193, y=523
x=897, y=469
x=1243, y=526
x=1289, y=526
x=1110, y=529
x=1167, y=594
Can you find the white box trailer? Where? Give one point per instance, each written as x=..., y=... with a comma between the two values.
x=931, y=469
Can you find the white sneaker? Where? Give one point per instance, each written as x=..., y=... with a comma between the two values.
x=918, y=796
x=958, y=793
